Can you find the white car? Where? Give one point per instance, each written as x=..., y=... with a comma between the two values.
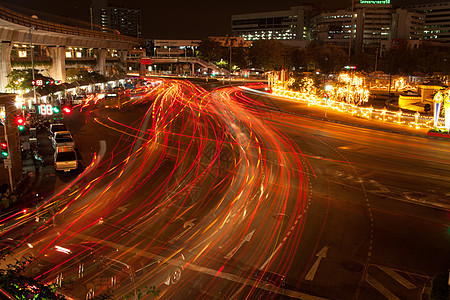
x=56, y=127
x=65, y=159
x=62, y=138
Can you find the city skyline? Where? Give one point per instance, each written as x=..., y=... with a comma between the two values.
x=187, y=21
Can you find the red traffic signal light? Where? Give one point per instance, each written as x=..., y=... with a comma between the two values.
x=20, y=121
x=67, y=110
x=4, y=152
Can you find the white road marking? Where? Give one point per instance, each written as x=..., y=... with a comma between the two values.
x=235, y=295
x=120, y=209
x=247, y=238
x=312, y=272
x=188, y=225
x=212, y=272
x=380, y=288
x=400, y=279
x=271, y=256
x=381, y=188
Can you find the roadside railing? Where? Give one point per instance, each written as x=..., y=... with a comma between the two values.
x=399, y=117
x=24, y=20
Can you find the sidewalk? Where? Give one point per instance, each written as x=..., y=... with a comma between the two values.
x=35, y=177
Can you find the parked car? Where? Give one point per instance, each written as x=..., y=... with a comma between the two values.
x=65, y=159
x=62, y=138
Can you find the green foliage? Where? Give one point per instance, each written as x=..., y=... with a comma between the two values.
x=211, y=50
x=87, y=62
x=269, y=54
x=239, y=57
x=27, y=64
x=84, y=74
x=316, y=57
x=23, y=287
x=19, y=80
x=306, y=82
x=149, y=290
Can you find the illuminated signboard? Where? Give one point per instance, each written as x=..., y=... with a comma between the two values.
x=37, y=82
x=2, y=114
x=375, y=1
x=45, y=109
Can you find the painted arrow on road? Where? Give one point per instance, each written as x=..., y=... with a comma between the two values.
x=247, y=238
x=187, y=225
x=312, y=272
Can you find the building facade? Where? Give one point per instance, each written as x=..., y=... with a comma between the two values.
x=369, y=24
x=125, y=20
x=373, y=23
x=437, y=20
x=407, y=25
x=289, y=24
x=333, y=27
x=171, y=48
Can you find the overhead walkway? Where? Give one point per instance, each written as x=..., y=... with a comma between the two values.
x=192, y=61
x=21, y=29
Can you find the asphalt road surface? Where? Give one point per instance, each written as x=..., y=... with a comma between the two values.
x=245, y=196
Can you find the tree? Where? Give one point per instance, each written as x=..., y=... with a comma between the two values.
x=84, y=75
x=299, y=59
x=269, y=54
x=20, y=80
x=20, y=286
x=211, y=50
x=239, y=57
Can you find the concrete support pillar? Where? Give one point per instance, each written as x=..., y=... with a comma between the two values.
x=123, y=56
x=5, y=64
x=58, y=68
x=193, y=69
x=100, y=66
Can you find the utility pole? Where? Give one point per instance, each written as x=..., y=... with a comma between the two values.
x=32, y=57
x=8, y=160
x=229, y=41
x=351, y=33
x=376, y=59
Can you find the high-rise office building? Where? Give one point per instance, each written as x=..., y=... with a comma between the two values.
x=373, y=23
x=333, y=27
x=125, y=20
x=407, y=25
x=437, y=20
x=289, y=24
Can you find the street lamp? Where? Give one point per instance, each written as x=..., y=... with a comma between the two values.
x=32, y=57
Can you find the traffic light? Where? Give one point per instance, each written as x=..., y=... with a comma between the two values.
x=67, y=110
x=56, y=109
x=20, y=121
x=37, y=82
x=4, y=147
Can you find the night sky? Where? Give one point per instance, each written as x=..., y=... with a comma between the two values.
x=180, y=19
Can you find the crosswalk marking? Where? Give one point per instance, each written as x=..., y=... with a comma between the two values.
x=380, y=288
x=400, y=279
